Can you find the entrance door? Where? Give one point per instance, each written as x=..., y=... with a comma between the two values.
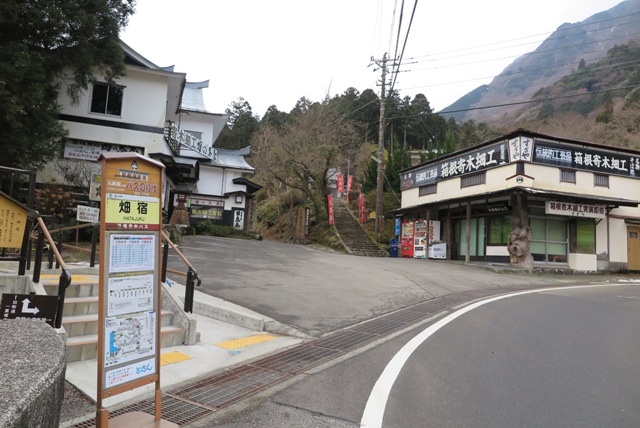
x=476, y=242
x=633, y=248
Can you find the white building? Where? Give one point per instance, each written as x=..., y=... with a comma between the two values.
x=155, y=112
x=580, y=200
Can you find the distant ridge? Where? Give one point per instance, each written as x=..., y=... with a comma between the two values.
x=559, y=55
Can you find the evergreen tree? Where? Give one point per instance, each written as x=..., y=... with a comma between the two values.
x=42, y=45
x=241, y=126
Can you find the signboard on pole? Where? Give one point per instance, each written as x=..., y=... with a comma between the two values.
x=13, y=221
x=87, y=214
x=130, y=301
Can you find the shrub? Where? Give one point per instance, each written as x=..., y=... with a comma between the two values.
x=207, y=227
x=269, y=212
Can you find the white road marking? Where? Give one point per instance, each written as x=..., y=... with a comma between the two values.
x=377, y=402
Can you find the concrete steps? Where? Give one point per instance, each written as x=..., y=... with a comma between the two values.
x=353, y=236
x=80, y=317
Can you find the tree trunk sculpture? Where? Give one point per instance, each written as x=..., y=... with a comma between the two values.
x=520, y=236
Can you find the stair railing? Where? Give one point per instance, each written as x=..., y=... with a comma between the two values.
x=192, y=274
x=65, y=275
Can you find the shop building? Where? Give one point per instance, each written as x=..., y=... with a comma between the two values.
x=574, y=203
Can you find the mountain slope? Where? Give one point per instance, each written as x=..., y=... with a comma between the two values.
x=559, y=55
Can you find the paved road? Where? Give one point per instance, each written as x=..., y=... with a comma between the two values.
x=556, y=358
x=318, y=291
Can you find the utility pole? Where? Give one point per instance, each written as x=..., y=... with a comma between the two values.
x=380, y=180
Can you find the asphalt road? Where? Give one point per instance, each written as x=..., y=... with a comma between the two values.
x=555, y=358
x=318, y=291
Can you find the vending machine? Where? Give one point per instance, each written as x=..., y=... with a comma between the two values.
x=406, y=239
x=420, y=240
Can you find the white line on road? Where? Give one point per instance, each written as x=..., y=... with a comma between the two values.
x=377, y=402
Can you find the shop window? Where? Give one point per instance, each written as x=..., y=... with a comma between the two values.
x=548, y=239
x=600, y=180
x=429, y=189
x=107, y=99
x=473, y=180
x=583, y=237
x=567, y=176
x=499, y=230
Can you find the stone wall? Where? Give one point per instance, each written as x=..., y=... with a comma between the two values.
x=32, y=369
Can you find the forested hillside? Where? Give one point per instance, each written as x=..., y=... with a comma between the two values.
x=570, y=48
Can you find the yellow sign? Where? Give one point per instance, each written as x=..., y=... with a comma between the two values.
x=13, y=221
x=131, y=211
x=132, y=195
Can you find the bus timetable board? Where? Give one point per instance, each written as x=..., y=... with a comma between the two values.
x=130, y=301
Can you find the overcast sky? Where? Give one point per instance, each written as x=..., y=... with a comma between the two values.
x=275, y=52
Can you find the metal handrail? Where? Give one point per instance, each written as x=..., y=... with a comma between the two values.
x=65, y=275
x=193, y=280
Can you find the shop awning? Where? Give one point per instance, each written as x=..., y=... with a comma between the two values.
x=544, y=194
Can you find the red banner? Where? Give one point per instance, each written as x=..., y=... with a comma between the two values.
x=349, y=183
x=330, y=206
x=362, y=211
x=340, y=183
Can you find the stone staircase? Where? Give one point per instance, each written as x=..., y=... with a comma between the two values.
x=353, y=237
x=80, y=317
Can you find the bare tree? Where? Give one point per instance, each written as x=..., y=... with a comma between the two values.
x=76, y=172
x=300, y=154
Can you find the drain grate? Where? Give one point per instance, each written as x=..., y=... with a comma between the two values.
x=223, y=390
x=173, y=410
x=380, y=326
x=298, y=359
x=346, y=340
x=406, y=317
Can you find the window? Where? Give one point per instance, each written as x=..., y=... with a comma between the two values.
x=600, y=180
x=567, y=176
x=429, y=189
x=238, y=199
x=107, y=99
x=583, y=236
x=473, y=180
x=195, y=134
x=499, y=230
x=548, y=239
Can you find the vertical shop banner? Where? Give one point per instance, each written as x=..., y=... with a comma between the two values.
x=340, y=183
x=363, y=217
x=434, y=231
x=330, y=209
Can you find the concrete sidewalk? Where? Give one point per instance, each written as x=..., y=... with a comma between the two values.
x=222, y=345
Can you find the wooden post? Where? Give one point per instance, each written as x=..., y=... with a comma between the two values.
x=468, y=233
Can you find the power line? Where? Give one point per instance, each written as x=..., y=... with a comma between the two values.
x=404, y=45
x=573, y=27
x=536, y=52
x=515, y=73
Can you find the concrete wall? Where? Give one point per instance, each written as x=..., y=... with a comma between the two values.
x=32, y=371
